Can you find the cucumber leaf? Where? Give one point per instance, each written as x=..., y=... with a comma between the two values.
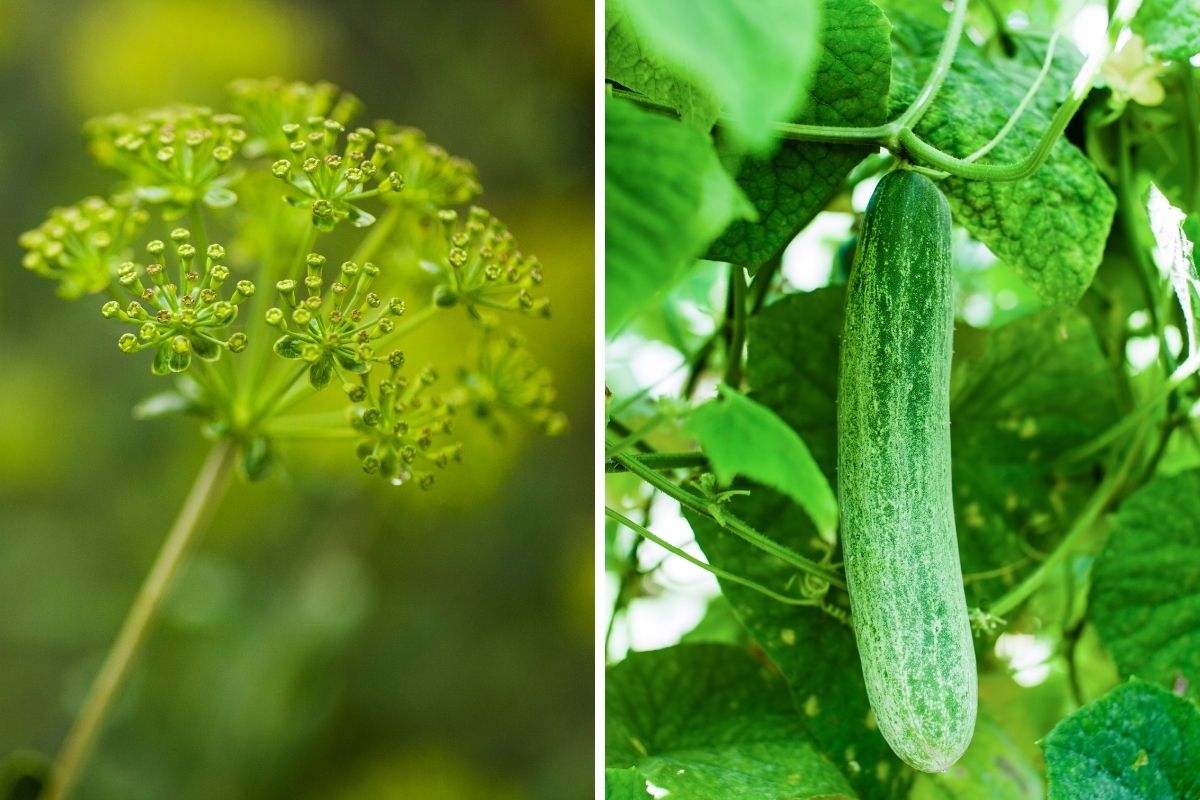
x=742, y=437
x=666, y=198
x=799, y=179
x=704, y=721
x=755, y=57
x=1145, y=596
x=1050, y=227
x=1171, y=28
x=629, y=62
x=1136, y=741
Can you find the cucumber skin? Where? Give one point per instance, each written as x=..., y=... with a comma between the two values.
x=898, y=535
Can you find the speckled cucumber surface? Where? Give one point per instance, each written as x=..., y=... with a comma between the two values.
x=898, y=537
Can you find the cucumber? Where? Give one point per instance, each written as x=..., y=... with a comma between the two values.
x=898, y=537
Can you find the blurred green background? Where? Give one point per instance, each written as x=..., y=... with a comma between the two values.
x=333, y=638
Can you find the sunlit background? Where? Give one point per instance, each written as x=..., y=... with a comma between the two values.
x=334, y=637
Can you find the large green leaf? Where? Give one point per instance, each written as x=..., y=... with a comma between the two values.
x=791, y=186
x=1052, y=226
x=1171, y=28
x=624, y=784
x=815, y=652
x=742, y=437
x=1137, y=741
x=629, y=62
x=756, y=57
x=666, y=197
x=1021, y=395
x=706, y=721
x=1145, y=597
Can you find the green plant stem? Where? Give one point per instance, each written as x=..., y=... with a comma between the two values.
x=1105, y=493
x=274, y=399
x=1058, y=123
x=1024, y=104
x=941, y=68
x=729, y=522
x=737, y=328
x=1134, y=218
x=199, y=232
x=1120, y=427
x=377, y=235
x=635, y=436
x=199, y=506
x=720, y=573
x=662, y=461
x=411, y=322
x=621, y=429
x=760, y=284
x=259, y=352
x=1191, y=105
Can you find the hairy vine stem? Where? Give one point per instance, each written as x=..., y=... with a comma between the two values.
x=661, y=461
x=199, y=506
x=645, y=533
x=941, y=68
x=729, y=522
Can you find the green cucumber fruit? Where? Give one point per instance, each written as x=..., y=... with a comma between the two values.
x=898, y=537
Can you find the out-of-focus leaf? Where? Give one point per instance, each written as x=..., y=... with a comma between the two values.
x=628, y=61
x=1171, y=27
x=1052, y=226
x=624, y=784
x=1145, y=598
x=666, y=197
x=706, y=721
x=791, y=186
x=756, y=57
x=993, y=768
x=742, y=437
x=1136, y=741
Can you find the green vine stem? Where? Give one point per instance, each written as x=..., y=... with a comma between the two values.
x=199, y=506
x=1080, y=87
x=661, y=461
x=729, y=522
x=1015, y=117
x=1105, y=493
x=737, y=331
x=720, y=573
x=941, y=68
x=898, y=136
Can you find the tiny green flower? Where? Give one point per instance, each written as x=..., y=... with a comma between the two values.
x=82, y=245
x=336, y=327
x=401, y=426
x=433, y=179
x=175, y=156
x=507, y=380
x=268, y=105
x=328, y=177
x=480, y=267
x=183, y=317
